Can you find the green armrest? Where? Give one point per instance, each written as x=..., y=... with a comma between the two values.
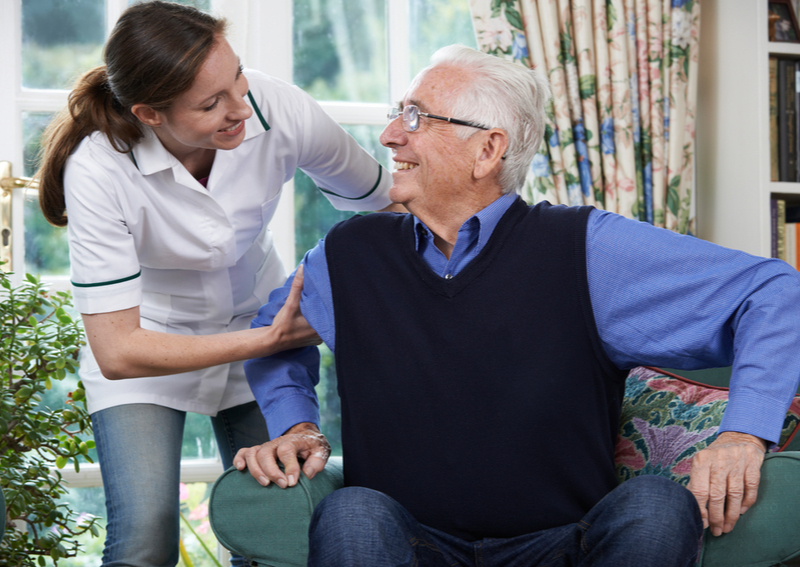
x=269, y=525
x=768, y=533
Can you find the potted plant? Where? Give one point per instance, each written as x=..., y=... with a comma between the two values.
x=39, y=344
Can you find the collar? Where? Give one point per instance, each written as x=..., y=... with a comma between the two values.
x=150, y=156
x=483, y=222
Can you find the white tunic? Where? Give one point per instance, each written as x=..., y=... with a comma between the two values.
x=196, y=260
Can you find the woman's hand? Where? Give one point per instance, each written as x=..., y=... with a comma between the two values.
x=123, y=349
x=290, y=327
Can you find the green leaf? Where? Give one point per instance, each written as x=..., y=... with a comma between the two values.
x=61, y=462
x=32, y=321
x=673, y=198
x=587, y=86
x=514, y=18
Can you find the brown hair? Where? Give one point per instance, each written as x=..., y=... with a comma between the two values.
x=152, y=56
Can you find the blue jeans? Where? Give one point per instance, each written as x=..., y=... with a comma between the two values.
x=139, y=448
x=646, y=521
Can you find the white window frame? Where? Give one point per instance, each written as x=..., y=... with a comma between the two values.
x=261, y=33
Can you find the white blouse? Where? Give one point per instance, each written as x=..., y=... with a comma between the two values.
x=196, y=260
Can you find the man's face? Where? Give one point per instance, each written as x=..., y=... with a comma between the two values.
x=431, y=164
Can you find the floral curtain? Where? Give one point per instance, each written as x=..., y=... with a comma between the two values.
x=620, y=129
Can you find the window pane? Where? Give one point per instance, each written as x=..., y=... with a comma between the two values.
x=330, y=407
x=60, y=40
x=434, y=24
x=340, y=49
x=86, y=501
x=314, y=215
x=46, y=250
x=198, y=438
x=194, y=507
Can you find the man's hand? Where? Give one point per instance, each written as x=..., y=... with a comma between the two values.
x=302, y=441
x=725, y=477
x=292, y=328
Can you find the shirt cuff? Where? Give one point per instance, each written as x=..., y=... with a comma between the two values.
x=91, y=299
x=290, y=411
x=755, y=415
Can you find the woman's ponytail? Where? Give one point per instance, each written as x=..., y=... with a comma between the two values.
x=92, y=107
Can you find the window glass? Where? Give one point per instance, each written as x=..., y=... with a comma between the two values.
x=314, y=215
x=434, y=24
x=198, y=434
x=46, y=250
x=194, y=509
x=86, y=501
x=60, y=40
x=340, y=49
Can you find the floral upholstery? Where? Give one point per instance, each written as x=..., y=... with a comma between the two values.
x=666, y=419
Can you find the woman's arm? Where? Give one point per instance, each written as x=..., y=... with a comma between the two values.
x=123, y=349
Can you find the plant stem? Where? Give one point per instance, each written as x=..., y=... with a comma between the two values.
x=208, y=551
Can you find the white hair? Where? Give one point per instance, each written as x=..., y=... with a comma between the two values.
x=500, y=94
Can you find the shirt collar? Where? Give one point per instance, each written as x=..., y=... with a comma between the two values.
x=484, y=221
x=150, y=156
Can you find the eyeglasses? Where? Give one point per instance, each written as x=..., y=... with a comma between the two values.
x=411, y=114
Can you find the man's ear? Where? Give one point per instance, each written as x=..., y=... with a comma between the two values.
x=491, y=152
x=146, y=115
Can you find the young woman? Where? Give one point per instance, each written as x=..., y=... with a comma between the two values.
x=166, y=168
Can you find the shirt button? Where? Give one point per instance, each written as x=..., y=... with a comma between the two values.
x=448, y=276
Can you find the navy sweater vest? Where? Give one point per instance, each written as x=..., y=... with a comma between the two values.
x=484, y=404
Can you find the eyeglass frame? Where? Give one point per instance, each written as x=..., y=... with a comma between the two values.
x=396, y=112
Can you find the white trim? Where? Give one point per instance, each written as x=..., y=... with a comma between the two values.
x=192, y=470
x=397, y=25
x=371, y=114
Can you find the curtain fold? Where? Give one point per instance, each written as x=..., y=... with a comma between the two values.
x=620, y=125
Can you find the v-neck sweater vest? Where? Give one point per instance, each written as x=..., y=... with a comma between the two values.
x=484, y=403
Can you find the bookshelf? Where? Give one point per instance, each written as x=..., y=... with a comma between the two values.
x=734, y=185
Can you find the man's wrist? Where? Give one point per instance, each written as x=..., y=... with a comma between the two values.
x=738, y=437
x=303, y=427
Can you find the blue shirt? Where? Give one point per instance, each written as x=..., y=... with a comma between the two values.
x=659, y=299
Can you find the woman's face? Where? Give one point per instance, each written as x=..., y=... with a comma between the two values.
x=211, y=114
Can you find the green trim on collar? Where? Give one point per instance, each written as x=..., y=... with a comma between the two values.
x=258, y=111
x=133, y=277
x=370, y=192
x=133, y=158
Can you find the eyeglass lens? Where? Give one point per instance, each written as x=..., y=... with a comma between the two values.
x=411, y=117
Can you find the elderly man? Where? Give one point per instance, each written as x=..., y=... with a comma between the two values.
x=482, y=346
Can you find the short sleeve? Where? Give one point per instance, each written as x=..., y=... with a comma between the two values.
x=105, y=270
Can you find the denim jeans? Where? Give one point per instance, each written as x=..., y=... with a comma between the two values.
x=139, y=448
x=646, y=521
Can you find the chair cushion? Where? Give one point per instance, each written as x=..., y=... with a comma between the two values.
x=269, y=524
x=767, y=534
x=666, y=419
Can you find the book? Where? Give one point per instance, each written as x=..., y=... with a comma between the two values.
x=782, y=229
x=787, y=121
x=797, y=116
x=773, y=119
x=790, y=238
x=773, y=227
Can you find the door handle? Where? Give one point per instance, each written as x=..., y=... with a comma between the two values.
x=7, y=186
